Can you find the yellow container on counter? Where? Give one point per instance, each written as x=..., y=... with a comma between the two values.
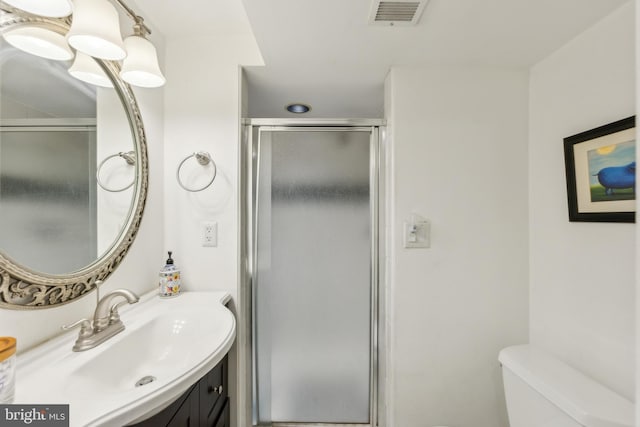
x=7, y=369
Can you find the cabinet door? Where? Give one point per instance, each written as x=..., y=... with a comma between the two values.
x=204, y=404
x=213, y=390
x=187, y=415
x=165, y=417
x=223, y=418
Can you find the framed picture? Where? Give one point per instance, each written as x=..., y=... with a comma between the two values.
x=601, y=173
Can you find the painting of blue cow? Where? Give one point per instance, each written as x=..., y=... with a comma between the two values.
x=613, y=172
x=600, y=166
x=618, y=177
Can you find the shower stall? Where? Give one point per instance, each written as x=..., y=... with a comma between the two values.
x=311, y=251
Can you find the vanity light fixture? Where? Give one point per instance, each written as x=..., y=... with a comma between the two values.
x=140, y=67
x=85, y=68
x=95, y=30
x=48, y=8
x=298, y=108
x=39, y=41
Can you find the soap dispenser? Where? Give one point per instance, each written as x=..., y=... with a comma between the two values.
x=169, y=284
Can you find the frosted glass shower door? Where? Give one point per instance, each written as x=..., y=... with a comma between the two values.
x=48, y=196
x=312, y=284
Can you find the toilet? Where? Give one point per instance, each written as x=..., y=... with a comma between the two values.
x=542, y=391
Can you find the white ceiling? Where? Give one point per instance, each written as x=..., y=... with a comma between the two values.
x=193, y=17
x=324, y=52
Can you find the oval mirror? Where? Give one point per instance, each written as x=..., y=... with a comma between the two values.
x=73, y=174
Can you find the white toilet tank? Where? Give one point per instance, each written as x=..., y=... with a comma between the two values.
x=542, y=391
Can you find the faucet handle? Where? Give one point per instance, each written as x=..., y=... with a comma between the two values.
x=85, y=327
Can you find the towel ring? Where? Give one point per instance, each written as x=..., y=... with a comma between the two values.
x=129, y=157
x=204, y=159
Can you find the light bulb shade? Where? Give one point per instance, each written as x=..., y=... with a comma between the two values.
x=140, y=67
x=85, y=68
x=95, y=30
x=50, y=8
x=39, y=41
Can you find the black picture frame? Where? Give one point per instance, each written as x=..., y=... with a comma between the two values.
x=587, y=150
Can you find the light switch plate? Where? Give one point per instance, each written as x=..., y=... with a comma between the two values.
x=417, y=234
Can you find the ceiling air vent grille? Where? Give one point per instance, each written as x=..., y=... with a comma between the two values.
x=392, y=12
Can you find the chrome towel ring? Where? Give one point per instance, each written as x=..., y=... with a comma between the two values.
x=204, y=159
x=129, y=157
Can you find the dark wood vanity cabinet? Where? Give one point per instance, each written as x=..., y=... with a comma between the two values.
x=205, y=404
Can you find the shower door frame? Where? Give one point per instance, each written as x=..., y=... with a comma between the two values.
x=247, y=392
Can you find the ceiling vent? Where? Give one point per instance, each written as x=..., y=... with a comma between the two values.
x=396, y=12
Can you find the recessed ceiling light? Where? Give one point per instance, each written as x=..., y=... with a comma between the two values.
x=298, y=108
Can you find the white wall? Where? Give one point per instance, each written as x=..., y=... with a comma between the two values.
x=203, y=103
x=135, y=272
x=637, y=229
x=458, y=147
x=637, y=234
x=581, y=274
x=202, y=109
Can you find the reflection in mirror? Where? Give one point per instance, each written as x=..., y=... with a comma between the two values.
x=54, y=131
x=62, y=233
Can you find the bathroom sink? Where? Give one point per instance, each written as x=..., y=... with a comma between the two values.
x=167, y=345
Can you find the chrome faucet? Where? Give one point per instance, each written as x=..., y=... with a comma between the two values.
x=106, y=320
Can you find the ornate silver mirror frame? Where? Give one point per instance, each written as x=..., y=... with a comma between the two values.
x=23, y=288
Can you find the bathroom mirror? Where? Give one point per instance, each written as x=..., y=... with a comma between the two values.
x=73, y=174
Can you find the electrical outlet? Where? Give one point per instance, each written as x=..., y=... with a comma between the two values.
x=209, y=234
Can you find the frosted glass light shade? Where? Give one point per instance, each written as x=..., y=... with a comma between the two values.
x=85, y=68
x=40, y=42
x=140, y=67
x=50, y=8
x=95, y=30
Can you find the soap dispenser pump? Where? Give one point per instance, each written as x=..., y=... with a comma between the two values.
x=169, y=284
